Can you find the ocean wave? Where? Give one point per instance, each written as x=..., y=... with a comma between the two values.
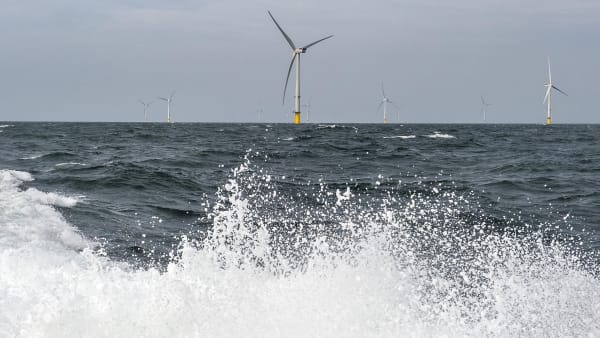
x=274, y=266
x=28, y=216
x=58, y=155
x=6, y=125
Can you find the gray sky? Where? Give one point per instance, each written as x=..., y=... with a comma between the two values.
x=84, y=60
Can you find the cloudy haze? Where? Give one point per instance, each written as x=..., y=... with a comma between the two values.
x=82, y=60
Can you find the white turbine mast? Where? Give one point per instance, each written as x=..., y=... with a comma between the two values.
x=168, y=100
x=547, y=98
x=484, y=106
x=295, y=58
x=146, y=106
x=384, y=102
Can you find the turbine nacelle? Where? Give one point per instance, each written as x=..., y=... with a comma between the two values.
x=300, y=50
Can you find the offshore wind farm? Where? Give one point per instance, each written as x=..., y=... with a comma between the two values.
x=382, y=199
x=205, y=80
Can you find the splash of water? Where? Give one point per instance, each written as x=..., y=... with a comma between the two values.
x=319, y=262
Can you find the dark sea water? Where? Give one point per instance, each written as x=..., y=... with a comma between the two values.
x=156, y=230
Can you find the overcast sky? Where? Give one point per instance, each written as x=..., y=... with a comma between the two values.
x=84, y=60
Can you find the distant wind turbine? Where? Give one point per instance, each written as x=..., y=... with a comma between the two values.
x=484, y=106
x=550, y=86
x=307, y=110
x=295, y=58
x=259, y=112
x=146, y=106
x=384, y=102
x=169, y=100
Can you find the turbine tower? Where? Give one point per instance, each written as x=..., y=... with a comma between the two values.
x=484, y=106
x=169, y=100
x=547, y=98
x=146, y=106
x=384, y=102
x=295, y=58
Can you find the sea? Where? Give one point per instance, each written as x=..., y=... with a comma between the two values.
x=315, y=230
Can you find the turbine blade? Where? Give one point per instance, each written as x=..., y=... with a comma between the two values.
x=142, y=102
x=287, y=38
x=288, y=77
x=547, y=94
x=483, y=101
x=379, y=107
x=383, y=91
x=549, y=72
x=172, y=94
x=395, y=105
x=314, y=43
x=553, y=86
x=162, y=98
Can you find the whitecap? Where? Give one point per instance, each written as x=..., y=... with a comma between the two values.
x=404, y=137
x=69, y=164
x=437, y=134
x=33, y=157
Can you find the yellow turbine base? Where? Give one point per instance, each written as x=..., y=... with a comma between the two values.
x=548, y=121
x=297, y=117
x=384, y=121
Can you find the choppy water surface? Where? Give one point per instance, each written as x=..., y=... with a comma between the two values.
x=313, y=230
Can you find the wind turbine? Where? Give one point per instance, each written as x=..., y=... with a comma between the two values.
x=484, y=106
x=259, y=113
x=384, y=102
x=146, y=106
x=169, y=100
x=550, y=86
x=295, y=58
x=307, y=105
